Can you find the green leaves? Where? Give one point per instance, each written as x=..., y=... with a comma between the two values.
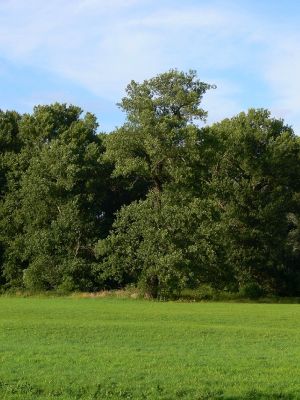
x=55, y=202
x=254, y=183
x=158, y=139
x=160, y=202
x=173, y=96
x=170, y=246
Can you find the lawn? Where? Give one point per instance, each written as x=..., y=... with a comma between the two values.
x=66, y=348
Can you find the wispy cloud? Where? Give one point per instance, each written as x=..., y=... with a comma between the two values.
x=101, y=45
x=282, y=74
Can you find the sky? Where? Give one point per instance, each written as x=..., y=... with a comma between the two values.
x=85, y=52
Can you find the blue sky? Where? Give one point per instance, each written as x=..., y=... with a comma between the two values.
x=85, y=52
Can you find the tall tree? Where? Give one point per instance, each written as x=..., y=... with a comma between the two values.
x=164, y=249
x=160, y=143
x=254, y=183
x=54, y=215
x=160, y=134
x=10, y=146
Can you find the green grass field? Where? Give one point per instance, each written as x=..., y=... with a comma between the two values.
x=66, y=348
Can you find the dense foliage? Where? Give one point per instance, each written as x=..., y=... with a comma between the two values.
x=161, y=202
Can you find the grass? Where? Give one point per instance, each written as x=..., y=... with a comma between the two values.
x=109, y=348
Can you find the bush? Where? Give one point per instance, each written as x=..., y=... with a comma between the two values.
x=251, y=291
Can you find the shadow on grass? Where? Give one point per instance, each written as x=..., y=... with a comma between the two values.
x=26, y=391
x=219, y=395
x=255, y=395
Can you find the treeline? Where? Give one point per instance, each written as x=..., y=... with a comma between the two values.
x=160, y=203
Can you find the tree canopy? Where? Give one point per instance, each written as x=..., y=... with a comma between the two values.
x=164, y=202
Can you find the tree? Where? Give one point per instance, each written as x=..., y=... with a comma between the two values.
x=160, y=202
x=10, y=146
x=161, y=144
x=254, y=182
x=54, y=214
x=163, y=251
x=160, y=136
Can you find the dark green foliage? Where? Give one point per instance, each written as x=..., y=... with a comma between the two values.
x=164, y=248
x=53, y=212
x=162, y=242
x=254, y=183
x=10, y=145
x=160, y=203
x=159, y=140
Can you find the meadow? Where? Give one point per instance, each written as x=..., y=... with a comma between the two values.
x=66, y=348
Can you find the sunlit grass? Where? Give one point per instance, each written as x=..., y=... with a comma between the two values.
x=68, y=348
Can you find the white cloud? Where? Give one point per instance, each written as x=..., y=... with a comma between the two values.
x=101, y=45
x=98, y=29
x=282, y=73
x=80, y=41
